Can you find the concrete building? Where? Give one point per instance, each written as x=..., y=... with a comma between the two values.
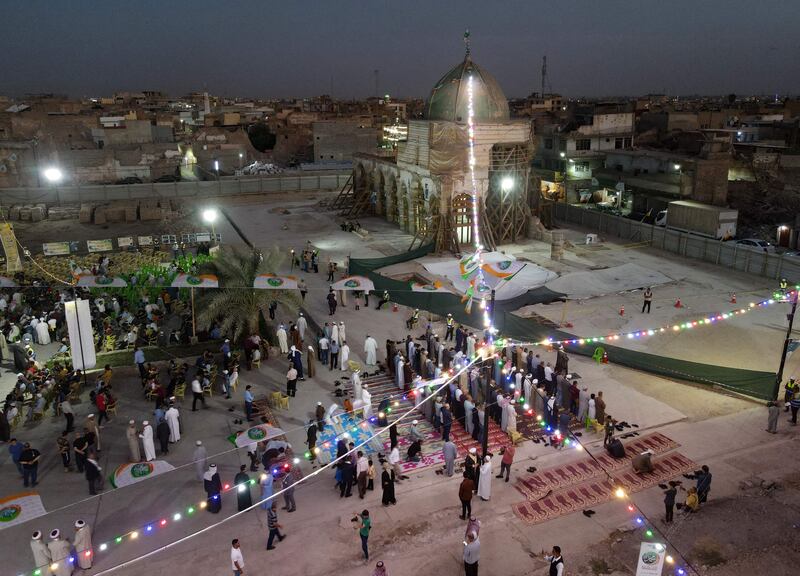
x=338, y=140
x=569, y=151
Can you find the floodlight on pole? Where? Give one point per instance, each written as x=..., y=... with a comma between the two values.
x=210, y=215
x=506, y=184
x=53, y=174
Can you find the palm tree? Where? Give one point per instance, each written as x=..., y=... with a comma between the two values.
x=236, y=305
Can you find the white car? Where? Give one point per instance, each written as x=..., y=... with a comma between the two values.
x=756, y=244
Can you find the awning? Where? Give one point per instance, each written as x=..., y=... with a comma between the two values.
x=354, y=283
x=201, y=281
x=275, y=282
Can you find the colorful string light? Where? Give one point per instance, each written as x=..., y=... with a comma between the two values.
x=669, y=328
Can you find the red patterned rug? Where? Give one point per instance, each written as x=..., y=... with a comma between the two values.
x=534, y=486
x=600, y=490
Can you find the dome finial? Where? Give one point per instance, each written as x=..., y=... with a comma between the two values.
x=466, y=42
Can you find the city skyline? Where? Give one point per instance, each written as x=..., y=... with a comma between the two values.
x=619, y=48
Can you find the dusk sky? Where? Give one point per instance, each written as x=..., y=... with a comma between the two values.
x=299, y=48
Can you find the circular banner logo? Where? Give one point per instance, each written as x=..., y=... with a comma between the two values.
x=275, y=282
x=103, y=280
x=256, y=434
x=430, y=287
x=504, y=265
x=10, y=513
x=193, y=280
x=650, y=557
x=352, y=283
x=141, y=470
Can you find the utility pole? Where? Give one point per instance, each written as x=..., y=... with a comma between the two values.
x=544, y=74
x=377, y=83
x=779, y=375
x=485, y=438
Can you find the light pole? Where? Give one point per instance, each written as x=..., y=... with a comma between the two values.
x=210, y=216
x=485, y=438
x=53, y=174
x=216, y=168
x=779, y=375
x=241, y=160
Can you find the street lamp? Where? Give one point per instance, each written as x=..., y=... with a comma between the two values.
x=241, y=159
x=210, y=215
x=506, y=184
x=53, y=174
x=216, y=168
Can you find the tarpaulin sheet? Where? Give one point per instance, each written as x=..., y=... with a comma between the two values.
x=749, y=382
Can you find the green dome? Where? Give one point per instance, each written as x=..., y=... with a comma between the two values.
x=449, y=99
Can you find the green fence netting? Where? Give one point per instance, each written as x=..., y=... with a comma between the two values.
x=748, y=382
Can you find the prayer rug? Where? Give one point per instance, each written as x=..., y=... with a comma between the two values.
x=600, y=490
x=534, y=486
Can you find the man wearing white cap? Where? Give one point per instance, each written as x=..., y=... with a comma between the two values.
x=200, y=458
x=413, y=433
x=83, y=544
x=41, y=553
x=59, y=554
x=147, y=441
x=282, y=340
x=134, y=454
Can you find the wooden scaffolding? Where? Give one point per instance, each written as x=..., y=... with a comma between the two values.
x=507, y=212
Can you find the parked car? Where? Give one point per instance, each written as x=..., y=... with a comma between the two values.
x=756, y=244
x=167, y=178
x=129, y=180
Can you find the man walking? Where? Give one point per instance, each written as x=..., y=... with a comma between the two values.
x=363, y=532
x=508, y=458
x=197, y=394
x=288, y=492
x=237, y=560
x=248, y=402
x=334, y=354
x=703, y=483
x=465, y=490
x=274, y=527
x=291, y=381
x=362, y=467
x=450, y=453
x=30, y=464
x=15, y=448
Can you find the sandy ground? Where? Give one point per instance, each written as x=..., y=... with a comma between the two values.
x=422, y=534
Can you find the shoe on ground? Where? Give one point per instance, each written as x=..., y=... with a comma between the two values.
x=270, y=547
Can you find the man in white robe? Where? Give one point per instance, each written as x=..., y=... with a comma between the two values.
x=371, y=351
x=200, y=458
x=511, y=418
x=282, y=340
x=60, y=551
x=41, y=553
x=470, y=345
x=356, y=380
x=147, y=441
x=485, y=483
x=366, y=398
x=344, y=355
x=335, y=333
x=342, y=333
x=502, y=401
x=401, y=380
x=172, y=416
x=43, y=332
x=83, y=544
x=302, y=324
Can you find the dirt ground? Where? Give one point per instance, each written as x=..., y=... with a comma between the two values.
x=756, y=531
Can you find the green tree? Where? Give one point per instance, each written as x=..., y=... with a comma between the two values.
x=236, y=305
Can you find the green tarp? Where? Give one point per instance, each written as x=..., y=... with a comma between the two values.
x=749, y=382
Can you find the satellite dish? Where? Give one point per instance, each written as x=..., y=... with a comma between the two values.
x=13, y=157
x=3, y=168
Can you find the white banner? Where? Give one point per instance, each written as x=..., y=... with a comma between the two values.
x=651, y=559
x=127, y=474
x=259, y=433
x=79, y=326
x=20, y=508
x=354, y=283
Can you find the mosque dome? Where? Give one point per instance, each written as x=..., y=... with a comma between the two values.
x=449, y=99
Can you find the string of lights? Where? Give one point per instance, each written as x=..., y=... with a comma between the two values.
x=668, y=328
